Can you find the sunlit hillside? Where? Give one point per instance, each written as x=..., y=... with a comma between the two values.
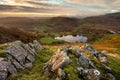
x=109, y=43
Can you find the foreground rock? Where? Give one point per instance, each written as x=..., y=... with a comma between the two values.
x=57, y=63
x=18, y=57
x=89, y=74
x=100, y=55
x=86, y=69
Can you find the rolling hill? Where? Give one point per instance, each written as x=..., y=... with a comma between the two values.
x=95, y=26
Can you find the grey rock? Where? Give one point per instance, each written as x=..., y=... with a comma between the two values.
x=85, y=62
x=29, y=49
x=89, y=47
x=62, y=75
x=30, y=57
x=3, y=71
x=11, y=69
x=15, y=61
x=107, y=69
x=28, y=65
x=17, y=65
x=18, y=57
x=101, y=56
x=18, y=53
x=1, y=59
x=37, y=45
x=56, y=64
x=109, y=76
x=89, y=74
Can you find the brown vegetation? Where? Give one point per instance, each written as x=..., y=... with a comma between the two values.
x=12, y=34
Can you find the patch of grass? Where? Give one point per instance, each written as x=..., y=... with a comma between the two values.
x=2, y=54
x=2, y=47
x=114, y=64
x=42, y=27
x=71, y=68
x=109, y=40
x=50, y=40
x=111, y=43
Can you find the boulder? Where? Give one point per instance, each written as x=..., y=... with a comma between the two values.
x=17, y=53
x=11, y=69
x=15, y=63
x=89, y=74
x=57, y=62
x=109, y=76
x=37, y=45
x=31, y=52
x=101, y=56
x=28, y=65
x=18, y=56
x=88, y=47
x=61, y=75
x=75, y=51
x=3, y=71
x=29, y=49
x=83, y=60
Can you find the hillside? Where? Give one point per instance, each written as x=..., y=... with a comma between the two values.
x=93, y=27
x=108, y=21
x=45, y=29
x=36, y=72
x=20, y=22
x=13, y=34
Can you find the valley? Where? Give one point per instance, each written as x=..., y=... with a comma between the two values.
x=99, y=31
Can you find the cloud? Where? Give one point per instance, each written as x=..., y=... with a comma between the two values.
x=61, y=7
x=10, y=8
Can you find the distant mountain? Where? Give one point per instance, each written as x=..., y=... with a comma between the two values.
x=108, y=21
x=20, y=22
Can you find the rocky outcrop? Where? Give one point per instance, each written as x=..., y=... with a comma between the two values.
x=100, y=55
x=89, y=74
x=18, y=57
x=86, y=69
x=57, y=63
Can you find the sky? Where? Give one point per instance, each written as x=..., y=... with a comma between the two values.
x=45, y=8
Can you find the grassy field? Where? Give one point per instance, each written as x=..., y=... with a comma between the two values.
x=109, y=43
x=50, y=40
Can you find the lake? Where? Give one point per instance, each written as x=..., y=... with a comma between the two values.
x=72, y=39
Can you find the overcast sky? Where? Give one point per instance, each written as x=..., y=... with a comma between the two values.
x=81, y=8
